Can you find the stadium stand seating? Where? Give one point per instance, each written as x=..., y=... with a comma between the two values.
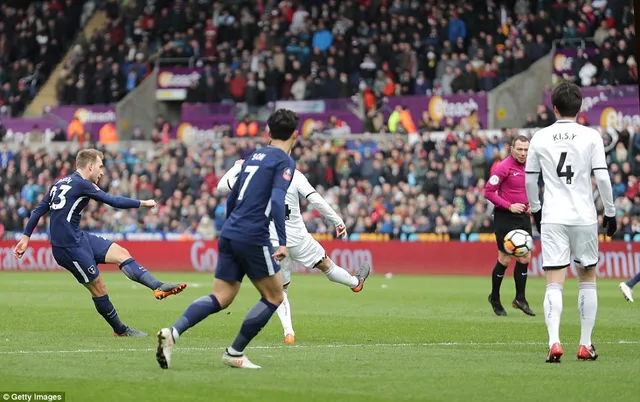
x=385, y=187
x=262, y=51
x=33, y=36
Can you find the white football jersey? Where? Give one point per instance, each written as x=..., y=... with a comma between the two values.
x=566, y=153
x=294, y=225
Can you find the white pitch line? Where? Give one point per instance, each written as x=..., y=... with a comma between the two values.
x=330, y=346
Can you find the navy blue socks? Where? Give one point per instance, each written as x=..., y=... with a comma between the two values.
x=109, y=313
x=198, y=310
x=138, y=273
x=253, y=323
x=633, y=281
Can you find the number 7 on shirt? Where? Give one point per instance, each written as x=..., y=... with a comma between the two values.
x=251, y=170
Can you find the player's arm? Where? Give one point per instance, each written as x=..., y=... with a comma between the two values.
x=306, y=190
x=532, y=174
x=92, y=191
x=281, y=181
x=603, y=181
x=532, y=171
x=493, y=185
x=225, y=185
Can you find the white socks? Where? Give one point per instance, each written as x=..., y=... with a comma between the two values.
x=587, y=307
x=553, y=311
x=284, y=313
x=340, y=275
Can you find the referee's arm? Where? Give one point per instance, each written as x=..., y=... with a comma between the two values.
x=493, y=186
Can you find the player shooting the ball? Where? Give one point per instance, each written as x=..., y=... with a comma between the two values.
x=80, y=252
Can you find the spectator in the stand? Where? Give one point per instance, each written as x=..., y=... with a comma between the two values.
x=587, y=73
x=405, y=41
x=75, y=130
x=607, y=75
x=545, y=117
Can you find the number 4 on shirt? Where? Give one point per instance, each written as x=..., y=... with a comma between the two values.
x=567, y=173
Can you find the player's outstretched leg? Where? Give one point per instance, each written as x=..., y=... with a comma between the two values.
x=553, y=311
x=137, y=273
x=271, y=290
x=520, y=279
x=627, y=287
x=284, y=314
x=106, y=309
x=587, y=307
x=496, y=282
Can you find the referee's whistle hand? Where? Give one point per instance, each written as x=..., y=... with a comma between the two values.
x=517, y=208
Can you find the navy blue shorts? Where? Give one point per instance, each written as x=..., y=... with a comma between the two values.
x=82, y=260
x=237, y=259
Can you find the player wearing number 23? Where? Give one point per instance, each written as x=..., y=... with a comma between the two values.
x=80, y=252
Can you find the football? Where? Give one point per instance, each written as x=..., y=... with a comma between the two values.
x=518, y=243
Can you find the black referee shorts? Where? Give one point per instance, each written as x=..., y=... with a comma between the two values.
x=505, y=221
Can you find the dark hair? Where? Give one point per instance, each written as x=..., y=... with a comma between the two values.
x=567, y=98
x=521, y=138
x=282, y=123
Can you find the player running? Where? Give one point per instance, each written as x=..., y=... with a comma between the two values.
x=506, y=190
x=302, y=247
x=566, y=153
x=244, y=246
x=80, y=252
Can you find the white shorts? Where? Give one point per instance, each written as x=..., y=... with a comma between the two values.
x=560, y=241
x=308, y=254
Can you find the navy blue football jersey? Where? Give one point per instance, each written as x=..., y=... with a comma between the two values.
x=65, y=200
x=258, y=196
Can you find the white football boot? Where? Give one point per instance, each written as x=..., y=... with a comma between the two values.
x=238, y=361
x=165, y=347
x=626, y=291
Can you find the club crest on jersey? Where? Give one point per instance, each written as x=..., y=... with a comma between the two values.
x=287, y=174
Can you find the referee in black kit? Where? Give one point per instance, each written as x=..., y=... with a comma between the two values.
x=506, y=190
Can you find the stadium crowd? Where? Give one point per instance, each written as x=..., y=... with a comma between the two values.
x=385, y=186
x=264, y=50
x=33, y=36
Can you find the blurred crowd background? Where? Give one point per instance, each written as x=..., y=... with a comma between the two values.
x=378, y=186
x=261, y=51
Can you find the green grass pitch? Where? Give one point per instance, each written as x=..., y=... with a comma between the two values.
x=401, y=339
